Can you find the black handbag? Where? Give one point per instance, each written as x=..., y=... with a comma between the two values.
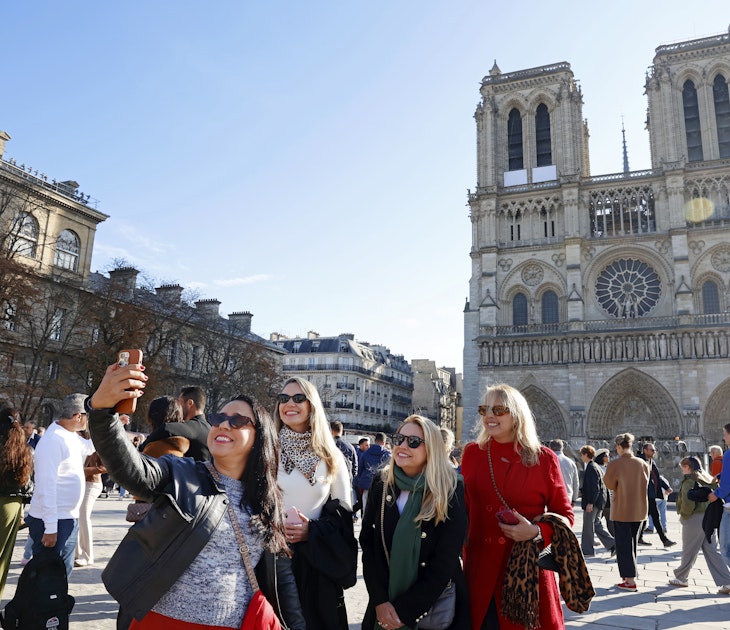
x=546, y=560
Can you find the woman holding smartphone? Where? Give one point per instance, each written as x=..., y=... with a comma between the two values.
x=187, y=545
x=511, y=480
x=316, y=486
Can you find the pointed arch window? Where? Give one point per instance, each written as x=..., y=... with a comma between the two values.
x=67, y=251
x=542, y=136
x=710, y=297
x=692, y=122
x=722, y=114
x=550, y=308
x=514, y=140
x=519, y=310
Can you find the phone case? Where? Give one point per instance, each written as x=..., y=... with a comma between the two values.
x=292, y=516
x=126, y=357
x=507, y=517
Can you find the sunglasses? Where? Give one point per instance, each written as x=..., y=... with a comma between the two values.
x=497, y=410
x=413, y=441
x=236, y=421
x=285, y=398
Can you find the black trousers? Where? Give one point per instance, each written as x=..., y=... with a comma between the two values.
x=654, y=513
x=626, y=535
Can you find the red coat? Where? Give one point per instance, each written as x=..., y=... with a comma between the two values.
x=529, y=490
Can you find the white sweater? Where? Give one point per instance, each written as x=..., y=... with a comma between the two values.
x=310, y=499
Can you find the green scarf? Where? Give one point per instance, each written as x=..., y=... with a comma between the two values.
x=406, y=547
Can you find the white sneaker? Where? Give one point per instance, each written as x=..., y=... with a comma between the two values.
x=678, y=582
x=724, y=590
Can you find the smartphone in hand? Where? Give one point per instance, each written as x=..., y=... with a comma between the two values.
x=507, y=517
x=292, y=516
x=127, y=357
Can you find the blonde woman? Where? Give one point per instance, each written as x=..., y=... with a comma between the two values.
x=507, y=469
x=691, y=514
x=312, y=470
x=413, y=531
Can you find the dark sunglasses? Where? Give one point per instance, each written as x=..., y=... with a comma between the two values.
x=497, y=410
x=236, y=421
x=297, y=398
x=413, y=441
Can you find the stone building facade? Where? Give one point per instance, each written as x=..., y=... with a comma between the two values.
x=61, y=324
x=605, y=298
x=436, y=393
x=362, y=385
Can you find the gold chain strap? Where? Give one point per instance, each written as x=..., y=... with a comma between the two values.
x=491, y=474
x=242, y=547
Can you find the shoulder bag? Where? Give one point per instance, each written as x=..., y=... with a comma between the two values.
x=545, y=559
x=260, y=613
x=441, y=615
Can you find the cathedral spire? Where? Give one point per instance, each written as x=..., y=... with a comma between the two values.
x=626, y=152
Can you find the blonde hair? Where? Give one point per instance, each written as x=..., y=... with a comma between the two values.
x=524, y=431
x=715, y=449
x=440, y=482
x=323, y=444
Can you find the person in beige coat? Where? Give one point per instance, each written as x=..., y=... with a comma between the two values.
x=628, y=477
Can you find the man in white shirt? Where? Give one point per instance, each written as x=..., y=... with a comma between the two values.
x=53, y=517
x=568, y=468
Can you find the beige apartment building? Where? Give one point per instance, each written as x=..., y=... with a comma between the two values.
x=362, y=385
x=605, y=298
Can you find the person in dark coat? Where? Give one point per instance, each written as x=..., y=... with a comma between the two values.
x=413, y=530
x=375, y=457
x=593, y=499
x=655, y=489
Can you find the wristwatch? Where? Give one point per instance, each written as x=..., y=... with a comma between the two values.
x=538, y=538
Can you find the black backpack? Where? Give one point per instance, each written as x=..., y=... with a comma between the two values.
x=41, y=599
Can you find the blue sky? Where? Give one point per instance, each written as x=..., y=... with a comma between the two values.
x=309, y=162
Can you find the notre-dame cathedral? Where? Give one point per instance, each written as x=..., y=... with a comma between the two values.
x=605, y=298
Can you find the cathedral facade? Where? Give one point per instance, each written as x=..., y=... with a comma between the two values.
x=605, y=299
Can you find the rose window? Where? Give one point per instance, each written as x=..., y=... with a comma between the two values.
x=628, y=288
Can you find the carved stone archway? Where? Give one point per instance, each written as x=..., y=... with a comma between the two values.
x=548, y=415
x=633, y=402
x=717, y=413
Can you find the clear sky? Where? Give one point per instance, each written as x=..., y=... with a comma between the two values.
x=309, y=161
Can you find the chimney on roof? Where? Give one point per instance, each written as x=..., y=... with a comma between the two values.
x=124, y=278
x=277, y=336
x=4, y=137
x=312, y=335
x=170, y=293
x=349, y=336
x=240, y=321
x=208, y=308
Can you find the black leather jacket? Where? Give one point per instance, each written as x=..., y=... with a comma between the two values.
x=188, y=507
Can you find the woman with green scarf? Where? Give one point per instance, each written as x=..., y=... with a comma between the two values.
x=413, y=531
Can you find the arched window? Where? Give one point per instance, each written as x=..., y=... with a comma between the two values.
x=722, y=114
x=67, y=251
x=514, y=140
x=542, y=136
x=26, y=233
x=550, y=308
x=710, y=298
x=692, y=122
x=519, y=310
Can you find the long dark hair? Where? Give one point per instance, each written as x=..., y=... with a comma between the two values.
x=16, y=458
x=260, y=487
x=164, y=409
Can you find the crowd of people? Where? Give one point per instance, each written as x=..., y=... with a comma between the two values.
x=245, y=502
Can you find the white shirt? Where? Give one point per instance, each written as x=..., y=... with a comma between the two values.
x=59, y=476
x=310, y=499
x=570, y=475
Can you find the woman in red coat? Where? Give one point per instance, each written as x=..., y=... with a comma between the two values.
x=508, y=469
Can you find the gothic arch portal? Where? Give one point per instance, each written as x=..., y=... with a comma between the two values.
x=717, y=413
x=635, y=402
x=548, y=416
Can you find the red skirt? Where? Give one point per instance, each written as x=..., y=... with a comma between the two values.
x=155, y=621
